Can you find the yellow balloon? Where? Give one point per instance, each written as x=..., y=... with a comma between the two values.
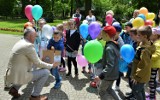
x=154, y=24
x=138, y=22
x=150, y=16
x=143, y=10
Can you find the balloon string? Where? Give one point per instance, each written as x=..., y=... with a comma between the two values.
x=97, y=84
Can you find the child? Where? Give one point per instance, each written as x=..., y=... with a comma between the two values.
x=141, y=68
x=56, y=44
x=62, y=66
x=109, y=63
x=43, y=39
x=133, y=35
x=72, y=46
x=120, y=43
x=155, y=37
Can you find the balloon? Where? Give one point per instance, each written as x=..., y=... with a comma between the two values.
x=84, y=30
x=109, y=19
x=143, y=10
x=47, y=31
x=127, y=52
x=149, y=23
x=150, y=16
x=116, y=24
x=81, y=60
x=94, y=29
x=37, y=12
x=142, y=16
x=93, y=51
x=137, y=22
x=123, y=65
x=54, y=28
x=85, y=22
x=28, y=12
x=154, y=24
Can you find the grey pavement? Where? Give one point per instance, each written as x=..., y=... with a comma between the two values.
x=72, y=88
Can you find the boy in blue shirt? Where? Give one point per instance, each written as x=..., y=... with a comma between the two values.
x=56, y=43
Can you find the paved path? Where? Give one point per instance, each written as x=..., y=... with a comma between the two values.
x=72, y=88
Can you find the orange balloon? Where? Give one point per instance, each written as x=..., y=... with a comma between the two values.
x=143, y=10
x=138, y=22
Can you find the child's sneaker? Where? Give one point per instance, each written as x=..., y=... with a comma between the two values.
x=62, y=69
x=58, y=84
x=89, y=72
x=93, y=84
x=116, y=88
x=146, y=94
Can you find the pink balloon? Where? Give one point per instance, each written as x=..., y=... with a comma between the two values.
x=28, y=12
x=109, y=19
x=81, y=60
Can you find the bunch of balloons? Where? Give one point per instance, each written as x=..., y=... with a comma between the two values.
x=144, y=18
x=35, y=12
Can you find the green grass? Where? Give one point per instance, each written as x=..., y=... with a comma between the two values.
x=18, y=24
x=8, y=32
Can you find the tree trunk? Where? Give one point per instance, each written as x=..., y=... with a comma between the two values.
x=88, y=4
x=71, y=8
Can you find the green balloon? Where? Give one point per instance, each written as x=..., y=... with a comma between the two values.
x=37, y=12
x=93, y=51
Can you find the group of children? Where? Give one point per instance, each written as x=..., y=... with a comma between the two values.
x=143, y=69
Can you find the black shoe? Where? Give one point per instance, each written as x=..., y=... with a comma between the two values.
x=68, y=74
x=130, y=97
x=128, y=93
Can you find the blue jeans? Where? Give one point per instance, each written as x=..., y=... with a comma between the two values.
x=54, y=72
x=138, y=91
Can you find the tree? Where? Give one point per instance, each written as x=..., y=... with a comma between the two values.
x=6, y=7
x=88, y=4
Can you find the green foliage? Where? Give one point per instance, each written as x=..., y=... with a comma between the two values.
x=60, y=8
x=151, y=5
x=6, y=7
x=121, y=9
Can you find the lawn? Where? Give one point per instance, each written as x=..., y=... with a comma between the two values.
x=18, y=25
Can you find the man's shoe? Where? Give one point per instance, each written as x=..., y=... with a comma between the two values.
x=38, y=98
x=14, y=93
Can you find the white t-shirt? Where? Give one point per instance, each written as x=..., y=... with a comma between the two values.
x=71, y=32
x=91, y=19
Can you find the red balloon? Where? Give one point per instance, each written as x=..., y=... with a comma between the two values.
x=28, y=12
x=148, y=23
x=109, y=19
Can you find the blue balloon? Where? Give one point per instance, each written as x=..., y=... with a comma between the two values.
x=84, y=30
x=37, y=12
x=123, y=65
x=142, y=16
x=127, y=53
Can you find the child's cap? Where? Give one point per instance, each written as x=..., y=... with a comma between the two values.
x=128, y=24
x=156, y=31
x=110, y=30
x=117, y=26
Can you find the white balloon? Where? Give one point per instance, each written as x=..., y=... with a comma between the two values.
x=47, y=31
x=85, y=22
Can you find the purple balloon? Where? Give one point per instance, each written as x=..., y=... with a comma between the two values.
x=94, y=29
